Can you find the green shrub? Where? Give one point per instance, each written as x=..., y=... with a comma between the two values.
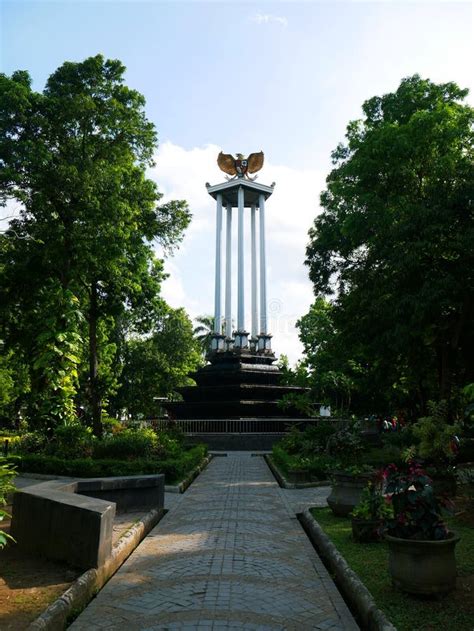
x=292, y=442
x=173, y=468
x=129, y=443
x=315, y=437
x=7, y=473
x=346, y=445
x=13, y=441
x=380, y=457
x=71, y=441
x=32, y=443
x=310, y=441
x=317, y=465
x=111, y=425
x=435, y=434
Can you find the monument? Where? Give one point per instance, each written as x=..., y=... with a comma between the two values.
x=241, y=380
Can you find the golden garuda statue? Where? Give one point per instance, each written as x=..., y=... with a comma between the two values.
x=240, y=166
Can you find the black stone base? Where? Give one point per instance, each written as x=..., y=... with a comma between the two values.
x=241, y=384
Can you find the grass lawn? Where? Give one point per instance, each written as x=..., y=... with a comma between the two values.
x=453, y=612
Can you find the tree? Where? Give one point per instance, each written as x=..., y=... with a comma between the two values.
x=204, y=331
x=394, y=240
x=156, y=365
x=75, y=156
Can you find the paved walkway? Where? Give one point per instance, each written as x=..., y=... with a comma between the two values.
x=229, y=555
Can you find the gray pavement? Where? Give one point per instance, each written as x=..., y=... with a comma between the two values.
x=230, y=554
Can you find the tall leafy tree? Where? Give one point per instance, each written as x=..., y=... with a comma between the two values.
x=75, y=156
x=157, y=364
x=394, y=240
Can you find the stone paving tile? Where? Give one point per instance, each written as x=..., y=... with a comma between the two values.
x=230, y=554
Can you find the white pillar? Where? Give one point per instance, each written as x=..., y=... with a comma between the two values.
x=228, y=274
x=217, y=295
x=263, y=269
x=240, y=270
x=254, y=274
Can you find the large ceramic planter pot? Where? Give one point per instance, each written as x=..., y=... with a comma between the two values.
x=366, y=530
x=346, y=491
x=423, y=567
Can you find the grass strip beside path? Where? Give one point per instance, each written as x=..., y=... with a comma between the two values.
x=454, y=611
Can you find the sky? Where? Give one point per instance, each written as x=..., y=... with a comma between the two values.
x=282, y=77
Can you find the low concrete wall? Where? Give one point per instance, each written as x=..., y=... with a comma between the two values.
x=129, y=493
x=354, y=591
x=72, y=520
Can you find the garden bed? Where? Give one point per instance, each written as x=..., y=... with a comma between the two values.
x=454, y=611
x=175, y=469
x=292, y=480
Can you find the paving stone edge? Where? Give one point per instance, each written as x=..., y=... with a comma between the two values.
x=352, y=588
x=283, y=482
x=77, y=596
x=182, y=486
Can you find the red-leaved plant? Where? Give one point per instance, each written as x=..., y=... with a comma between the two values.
x=416, y=510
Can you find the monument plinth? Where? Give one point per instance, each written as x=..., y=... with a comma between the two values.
x=241, y=379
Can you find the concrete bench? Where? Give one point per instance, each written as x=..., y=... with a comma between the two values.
x=72, y=520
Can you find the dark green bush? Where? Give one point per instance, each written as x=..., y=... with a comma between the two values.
x=318, y=465
x=173, y=468
x=71, y=441
x=137, y=443
x=129, y=443
x=310, y=441
x=32, y=443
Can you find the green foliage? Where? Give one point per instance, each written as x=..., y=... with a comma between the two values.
x=417, y=511
x=203, y=332
x=312, y=440
x=71, y=441
x=436, y=434
x=306, y=450
x=56, y=356
x=394, y=243
x=297, y=376
x=303, y=403
x=346, y=445
x=7, y=473
x=14, y=385
x=128, y=444
x=174, y=468
x=316, y=465
x=77, y=441
x=75, y=157
x=32, y=443
x=372, y=504
x=327, y=366
x=157, y=365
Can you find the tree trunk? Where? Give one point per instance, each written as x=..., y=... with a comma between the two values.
x=95, y=398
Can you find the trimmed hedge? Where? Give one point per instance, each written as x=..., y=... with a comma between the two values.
x=175, y=469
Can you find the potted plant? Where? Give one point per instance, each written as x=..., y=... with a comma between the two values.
x=348, y=477
x=421, y=548
x=370, y=514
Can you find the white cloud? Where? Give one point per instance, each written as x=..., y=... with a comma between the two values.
x=11, y=210
x=268, y=18
x=182, y=173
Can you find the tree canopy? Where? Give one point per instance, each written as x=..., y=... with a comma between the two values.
x=79, y=257
x=394, y=243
